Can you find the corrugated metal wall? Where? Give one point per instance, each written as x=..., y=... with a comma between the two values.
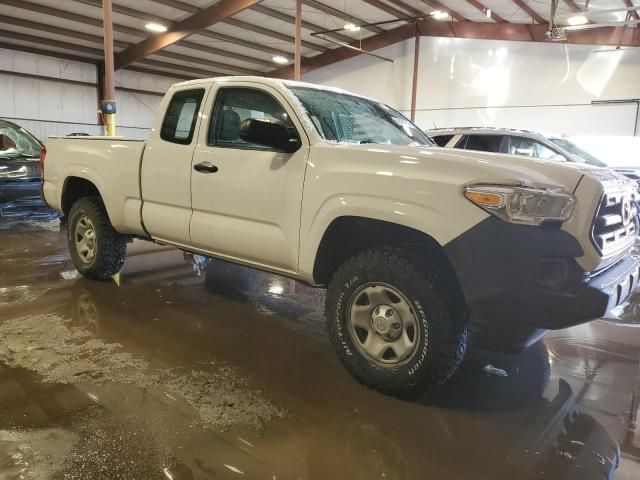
x=49, y=106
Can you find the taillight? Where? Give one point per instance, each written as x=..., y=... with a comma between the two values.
x=43, y=155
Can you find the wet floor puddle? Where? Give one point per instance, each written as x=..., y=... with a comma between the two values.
x=84, y=430
x=62, y=353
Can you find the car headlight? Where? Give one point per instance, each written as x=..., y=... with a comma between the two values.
x=522, y=205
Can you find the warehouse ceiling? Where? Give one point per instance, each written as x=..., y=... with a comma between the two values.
x=244, y=36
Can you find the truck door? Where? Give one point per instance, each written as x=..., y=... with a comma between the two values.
x=246, y=198
x=166, y=166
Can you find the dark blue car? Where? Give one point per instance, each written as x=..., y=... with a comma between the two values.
x=20, y=174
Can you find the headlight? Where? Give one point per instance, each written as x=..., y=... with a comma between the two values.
x=523, y=205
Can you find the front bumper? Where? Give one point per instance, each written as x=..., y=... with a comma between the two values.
x=521, y=281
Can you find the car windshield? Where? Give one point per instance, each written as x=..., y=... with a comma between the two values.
x=17, y=142
x=341, y=117
x=577, y=152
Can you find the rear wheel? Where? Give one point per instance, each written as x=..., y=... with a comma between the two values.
x=392, y=326
x=97, y=250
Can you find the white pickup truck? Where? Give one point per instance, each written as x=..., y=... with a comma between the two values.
x=420, y=248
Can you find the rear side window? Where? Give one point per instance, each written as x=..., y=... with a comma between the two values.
x=482, y=143
x=180, y=120
x=529, y=148
x=442, y=140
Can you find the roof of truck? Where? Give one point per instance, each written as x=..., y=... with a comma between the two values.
x=278, y=83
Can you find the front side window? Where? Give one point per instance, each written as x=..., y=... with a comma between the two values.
x=235, y=105
x=482, y=143
x=182, y=113
x=340, y=117
x=17, y=142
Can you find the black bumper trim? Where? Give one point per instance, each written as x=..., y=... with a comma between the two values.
x=520, y=281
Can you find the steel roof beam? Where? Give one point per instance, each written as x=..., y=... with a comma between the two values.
x=535, y=16
x=180, y=30
x=483, y=8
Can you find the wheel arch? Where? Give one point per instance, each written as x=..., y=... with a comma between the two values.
x=75, y=188
x=346, y=236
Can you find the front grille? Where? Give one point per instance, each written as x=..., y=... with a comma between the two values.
x=614, y=227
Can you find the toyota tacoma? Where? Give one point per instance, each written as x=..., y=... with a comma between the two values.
x=420, y=248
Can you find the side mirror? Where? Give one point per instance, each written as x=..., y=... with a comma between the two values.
x=270, y=133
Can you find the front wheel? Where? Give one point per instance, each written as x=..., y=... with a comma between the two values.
x=393, y=328
x=97, y=250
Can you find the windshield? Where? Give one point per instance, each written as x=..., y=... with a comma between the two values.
x=17, y=142
x=346, y=118
x=577, y=152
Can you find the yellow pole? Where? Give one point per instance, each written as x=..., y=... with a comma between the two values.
x=110, y=124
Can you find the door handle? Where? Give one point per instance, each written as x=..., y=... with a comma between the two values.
x=205, y=167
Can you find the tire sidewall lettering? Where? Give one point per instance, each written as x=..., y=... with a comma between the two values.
x=340, y=315
x=422, y=318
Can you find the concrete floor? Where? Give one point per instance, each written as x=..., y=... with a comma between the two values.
x=230, y=374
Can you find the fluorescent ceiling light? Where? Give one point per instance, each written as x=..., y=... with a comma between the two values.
x=155, y=27
x=577, y=20
x=280, y=59
x=351, y=27
x=488, y=12
x=440, y=15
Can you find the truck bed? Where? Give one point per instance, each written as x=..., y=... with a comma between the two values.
x=111, y=163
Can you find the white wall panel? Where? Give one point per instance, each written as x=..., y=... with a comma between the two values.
x=141, y=81
x=25, y=94
x=25, y=63
x=72, y=106
x=49, y=107
x=49, y=100
x=6, y=96
x=537, y=86
x=6, y=60
x=49, y=66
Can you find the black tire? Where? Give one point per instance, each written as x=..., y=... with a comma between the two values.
x=110, y=246
x=443, y=327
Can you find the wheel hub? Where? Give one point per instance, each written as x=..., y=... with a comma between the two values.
x=386, y=322
x=383, y=325
x=85, y=239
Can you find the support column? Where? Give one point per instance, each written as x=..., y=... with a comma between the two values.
x=298, y=42
x=414, y=87
x=109, y=112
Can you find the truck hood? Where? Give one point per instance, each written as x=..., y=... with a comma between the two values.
x=468, y=167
